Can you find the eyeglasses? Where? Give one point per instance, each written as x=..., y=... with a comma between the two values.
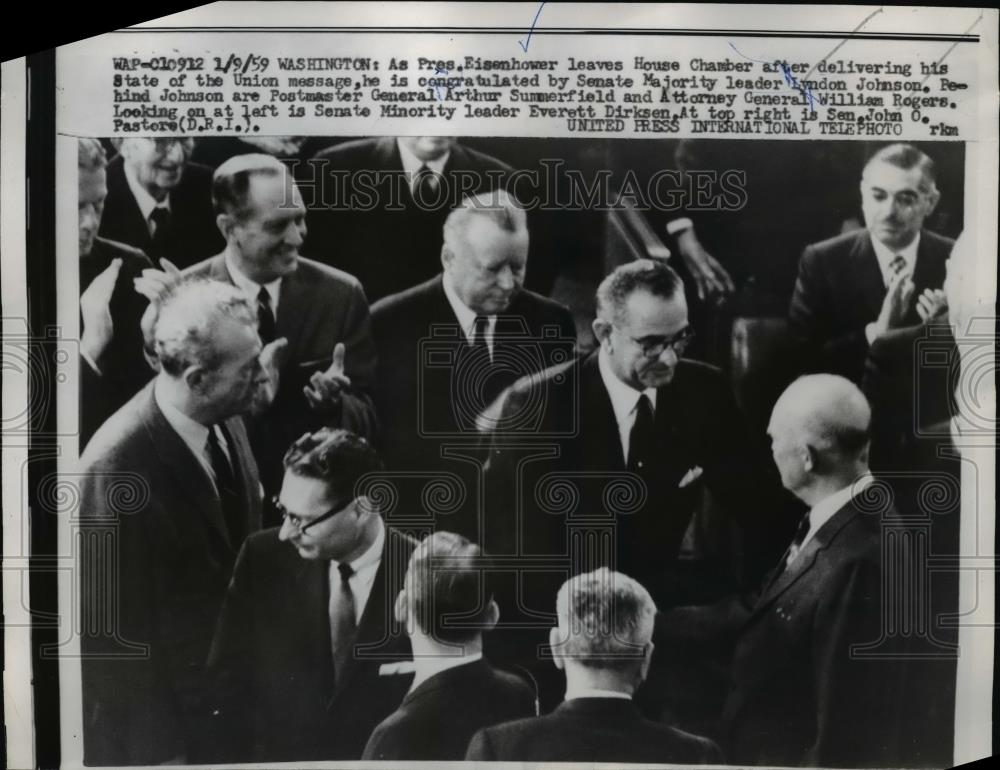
x=653, y=347
x=302, y=524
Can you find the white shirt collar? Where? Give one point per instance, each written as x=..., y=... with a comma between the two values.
x=885, y=256
x=623, y=399
x=251, y=288
x=573, y=693
x=826, y=508
x=427, y=667
x=192, y=432
x=365, y=568
x=412, y=164
x=145, y=201
x=466, y=315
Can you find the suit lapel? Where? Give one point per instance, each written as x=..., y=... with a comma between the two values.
x=312, y=592
x=292, y=305
x=187, y=471
x=602, y=427
x=132, y=220
x=822, y=540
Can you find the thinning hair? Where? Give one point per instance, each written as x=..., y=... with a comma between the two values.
x=335, y=456
x=496, y=206
x=832, y=413
x=642, y=274
x=231, y=181
x=187, y=315
x=447, y=587
x=90, y=155
x=605, y=619
x=906, y=157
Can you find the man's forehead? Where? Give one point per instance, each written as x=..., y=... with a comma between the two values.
x=300, y=494
x=274, y=193
x=665, y=315
x=891, y=178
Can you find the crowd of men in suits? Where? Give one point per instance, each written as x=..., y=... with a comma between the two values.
x=435, y=527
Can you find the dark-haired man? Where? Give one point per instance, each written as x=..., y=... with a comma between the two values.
x=308, y=618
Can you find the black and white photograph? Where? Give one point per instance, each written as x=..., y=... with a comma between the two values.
x=661, y=437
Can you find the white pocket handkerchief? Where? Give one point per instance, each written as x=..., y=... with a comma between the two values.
x=690, y=477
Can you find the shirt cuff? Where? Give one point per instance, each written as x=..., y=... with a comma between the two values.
x=677, y=226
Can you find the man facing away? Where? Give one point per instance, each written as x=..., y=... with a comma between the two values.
x=603, y=644
x=447, y=608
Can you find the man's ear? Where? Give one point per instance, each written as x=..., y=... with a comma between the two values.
x=932, y=201
x=602, y=329
x=225, y=222
x=492, y=616
x=810, y=457
x=647, y=657
x=446, y=256
x=556, y=642
x=399, y=609
x=194, y=377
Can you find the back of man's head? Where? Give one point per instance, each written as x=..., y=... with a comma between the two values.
x=186, y=319
x=648, y=275
x=497, y=207
x=446, y=589
x=605, y=624
x=831, y=416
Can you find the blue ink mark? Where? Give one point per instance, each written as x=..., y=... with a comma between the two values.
x=527, y=41
x=790, y=80
x=437, y=89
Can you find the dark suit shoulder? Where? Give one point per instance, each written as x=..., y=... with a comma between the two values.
x=356, y=149
x=115, y=442
x=408, y=300
x=838, y=245
x=311, y=271
x=475, y=158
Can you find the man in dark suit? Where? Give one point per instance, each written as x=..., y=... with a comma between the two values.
x=112, y=367
x=446, y=608
x=874, y=285
x=308, y=618
x=378, y=205
x=449, y=346
x=606, y=460
x=603, y=644
x=815, y=679
x=327, y=368
x=168, y=491
x=160, y=202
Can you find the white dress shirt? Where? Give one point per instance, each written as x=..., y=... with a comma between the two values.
x=365, y=567
x=624, y=399
x=885, y=256
x=467, y=316
x=825, y=509
x=412, y=164
x=592, y=692
x=145, y=201
x=250, y=288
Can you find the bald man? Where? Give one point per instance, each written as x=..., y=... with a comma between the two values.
x=802, y=692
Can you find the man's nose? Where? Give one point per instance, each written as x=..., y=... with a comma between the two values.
x=89, y=220
x=505, y=279
x=669, y=356
x=175, y=153
x=286, y=532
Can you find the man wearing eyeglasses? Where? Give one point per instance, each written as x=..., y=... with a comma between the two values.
x=308, y=618
x=161, y=202
x=615, y=452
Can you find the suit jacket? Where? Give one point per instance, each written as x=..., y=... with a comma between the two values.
x=591, y=730
x=123, y=368
x=282, y=699
x=840, y=290
x=437, y=719
x=193, y=234
x=155, y=559
x=379, y=233
x=318, y=307
x=428, y=392
x=799, y=696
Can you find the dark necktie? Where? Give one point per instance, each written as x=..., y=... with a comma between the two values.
x=342, y=623
x=425, y=188
x=479, y=329
x=225, y=482
x=265, y=316
x=159, y=218
x=898, y=264
x=642, y=439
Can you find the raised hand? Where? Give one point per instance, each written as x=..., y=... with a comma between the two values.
x=932, y=305
x=712, y=281
x=325, y=389
x=271, y=358
x=95, y=310
x=154, y=282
